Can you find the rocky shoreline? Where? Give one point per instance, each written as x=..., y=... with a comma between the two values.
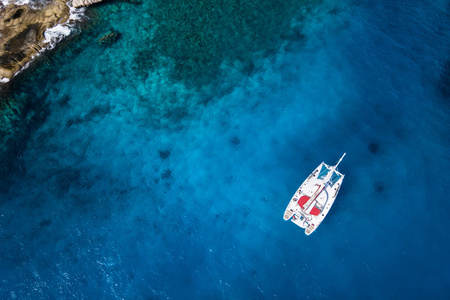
x=22, y=31
x=25, y=31
x=22, y=35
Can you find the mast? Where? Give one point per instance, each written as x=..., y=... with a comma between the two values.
x=322, y=185
x=332, y=169
x=339, y=161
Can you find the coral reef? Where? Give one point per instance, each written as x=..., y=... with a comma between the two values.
x=195, y=38
x=16, y=117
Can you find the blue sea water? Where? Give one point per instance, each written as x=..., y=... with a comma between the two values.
x=142, y=184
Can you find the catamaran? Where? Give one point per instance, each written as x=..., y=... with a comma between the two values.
x=314, y=198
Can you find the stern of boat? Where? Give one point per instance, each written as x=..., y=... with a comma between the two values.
x=310, y=229
x=288, y=213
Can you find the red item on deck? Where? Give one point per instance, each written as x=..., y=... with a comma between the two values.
x=315, y=211
x=303, y=200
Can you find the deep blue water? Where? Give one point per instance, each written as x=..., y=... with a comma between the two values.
x=142, y=184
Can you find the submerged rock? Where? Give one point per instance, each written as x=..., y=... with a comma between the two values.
x=164, y=154
x=235, y=140
x=444, y=82
x=166, y=174
x=373, y=148
x=22, y=33
x=379, y=187
x=44, y=223
x=109, y=38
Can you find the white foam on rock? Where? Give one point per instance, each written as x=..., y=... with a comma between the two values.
x=56, y=34
x=17, y=2
x=35, y=4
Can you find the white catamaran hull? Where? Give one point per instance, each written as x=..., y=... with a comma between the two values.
x=314, y=198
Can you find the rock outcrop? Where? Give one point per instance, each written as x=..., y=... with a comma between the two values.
x=22, y=33
x=80, y=3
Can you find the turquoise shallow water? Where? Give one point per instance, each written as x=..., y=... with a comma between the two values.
x=152, y=176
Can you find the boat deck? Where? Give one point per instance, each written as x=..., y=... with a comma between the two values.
x=314, y=198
